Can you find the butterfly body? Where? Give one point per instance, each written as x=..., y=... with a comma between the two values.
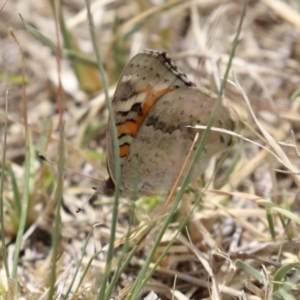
x=154, y=104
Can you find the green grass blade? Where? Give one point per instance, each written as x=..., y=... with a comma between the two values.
x=205, y=135
x=140, y=282
x=228, y=171
x=124, y=258
x=164, y=253
x=290, y=215
x=78, y=266
x=282, y=211
x=24, y=209
x=68, y=53
x=116, y=155
x=250, y=270
x=86, y=270
x=57, y=219
x=281, y=273
x=17, y=197
x=285, y=295
x=271, y=223
x=121, y=268
x=296, y=94
x=2, y=229
x=38, y=35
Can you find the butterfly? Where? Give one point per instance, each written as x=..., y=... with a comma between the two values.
x=153, y=105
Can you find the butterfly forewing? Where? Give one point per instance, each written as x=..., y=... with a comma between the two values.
x=148, y=73
x=146, y=78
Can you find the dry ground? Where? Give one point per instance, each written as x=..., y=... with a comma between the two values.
x=248, y=215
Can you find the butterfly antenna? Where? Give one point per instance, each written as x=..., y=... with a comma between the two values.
x=42, y=157
x=78, y=210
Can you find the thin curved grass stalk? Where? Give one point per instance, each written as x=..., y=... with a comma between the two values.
x=25, y=198
x=2, y=229
x=140, y=282
x=116, y=155
x=61, y=162
x=78, y=266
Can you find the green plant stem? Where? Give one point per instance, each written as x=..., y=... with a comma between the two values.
x=2, y=229
x=25, y=198
x=109, y=257
x=61, y=159
x=78, y=266
x=145, y=273
x=140, y=282
x=57, y=219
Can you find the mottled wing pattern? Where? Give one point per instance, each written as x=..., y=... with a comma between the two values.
x=159, y=149
x=147, y=77
x=153, y=104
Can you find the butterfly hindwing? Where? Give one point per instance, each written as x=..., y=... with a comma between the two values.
x=159, y=149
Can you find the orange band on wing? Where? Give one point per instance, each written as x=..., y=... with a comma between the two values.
x=131, y=127
x=124, y=149
x=149, y=101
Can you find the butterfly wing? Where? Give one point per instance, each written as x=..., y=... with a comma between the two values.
x=147, y=77
x=165, y=140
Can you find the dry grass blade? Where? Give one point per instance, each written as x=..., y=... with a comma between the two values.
x=184, y=166
x=283, y=157
x=285, y=11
